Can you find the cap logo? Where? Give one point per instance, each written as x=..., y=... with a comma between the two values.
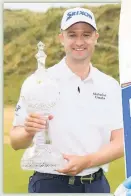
x=71, y=14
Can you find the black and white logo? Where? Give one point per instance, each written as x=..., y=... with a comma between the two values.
x=101, y=96
x=18, y=107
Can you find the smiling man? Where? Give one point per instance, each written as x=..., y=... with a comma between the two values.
x=88, y=126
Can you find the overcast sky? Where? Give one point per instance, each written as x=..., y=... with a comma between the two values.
x=44, y=6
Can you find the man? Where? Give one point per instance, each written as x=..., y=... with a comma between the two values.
x=88, y=126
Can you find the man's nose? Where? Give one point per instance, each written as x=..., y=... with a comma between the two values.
x=79, y=41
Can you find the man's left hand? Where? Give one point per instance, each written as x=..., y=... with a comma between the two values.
x=75, y=165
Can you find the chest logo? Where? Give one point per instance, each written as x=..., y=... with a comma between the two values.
x=101, y=96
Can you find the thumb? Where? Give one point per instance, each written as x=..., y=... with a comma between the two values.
x=50, y=117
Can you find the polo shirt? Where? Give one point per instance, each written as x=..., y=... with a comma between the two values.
x=87, y=112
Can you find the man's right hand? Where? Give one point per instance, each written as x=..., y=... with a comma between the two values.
x=35, y=123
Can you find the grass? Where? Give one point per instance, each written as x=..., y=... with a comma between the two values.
x=16, y=180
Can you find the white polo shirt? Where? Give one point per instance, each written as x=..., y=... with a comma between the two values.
x=83, y=122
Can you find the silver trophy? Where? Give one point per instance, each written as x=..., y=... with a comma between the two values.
x=42, y=96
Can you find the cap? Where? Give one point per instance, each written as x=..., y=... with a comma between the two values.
x=78, y=14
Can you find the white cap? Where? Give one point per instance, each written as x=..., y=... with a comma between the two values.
x=72, y=16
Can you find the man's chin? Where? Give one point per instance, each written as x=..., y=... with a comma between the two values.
x=80, y=58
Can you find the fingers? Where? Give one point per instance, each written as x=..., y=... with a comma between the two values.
x=50, y=117
x=72, y=167
x=32, y=130
x=35, y=115
x=35, y=123
x=67, y=169
x=70, y=171
x=67, y=157
x=29, y=124
x=37, y=120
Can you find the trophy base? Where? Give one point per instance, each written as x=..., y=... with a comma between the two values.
x=42, y=157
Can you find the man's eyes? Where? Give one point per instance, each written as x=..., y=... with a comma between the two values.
x=74, y=35
x=86, y=35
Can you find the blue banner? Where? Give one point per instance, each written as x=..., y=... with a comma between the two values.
x=126, y=97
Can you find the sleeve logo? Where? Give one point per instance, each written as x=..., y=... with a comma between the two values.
x=18, y=107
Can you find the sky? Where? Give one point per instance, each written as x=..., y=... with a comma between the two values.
x=42, y=7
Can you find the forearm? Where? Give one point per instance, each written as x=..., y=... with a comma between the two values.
x=107, y=154
x=19, y=138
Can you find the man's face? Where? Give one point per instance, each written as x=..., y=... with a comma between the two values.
x=79, y=41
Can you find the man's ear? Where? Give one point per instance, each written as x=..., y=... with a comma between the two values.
x=97, y=36
x=61, y=38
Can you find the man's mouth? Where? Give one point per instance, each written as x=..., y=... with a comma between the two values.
x=79, y=49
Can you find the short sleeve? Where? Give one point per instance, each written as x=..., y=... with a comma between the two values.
x=116, y=108
x=20, y=113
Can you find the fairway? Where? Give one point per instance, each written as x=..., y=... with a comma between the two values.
x=16, y=180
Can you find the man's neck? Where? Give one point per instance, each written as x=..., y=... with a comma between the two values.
x=80, y=68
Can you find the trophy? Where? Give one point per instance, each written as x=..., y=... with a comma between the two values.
x=41, y=96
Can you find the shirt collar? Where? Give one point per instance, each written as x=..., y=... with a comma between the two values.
x=67, y=73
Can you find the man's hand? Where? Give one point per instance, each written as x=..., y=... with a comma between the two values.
x=35, y=123
x=75, y=164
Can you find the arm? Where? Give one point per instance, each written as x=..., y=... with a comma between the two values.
x=106, y=154
x=24, y=126
x=21, y=136
x=110, y=152
x=20, y=139
x=115, y=149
